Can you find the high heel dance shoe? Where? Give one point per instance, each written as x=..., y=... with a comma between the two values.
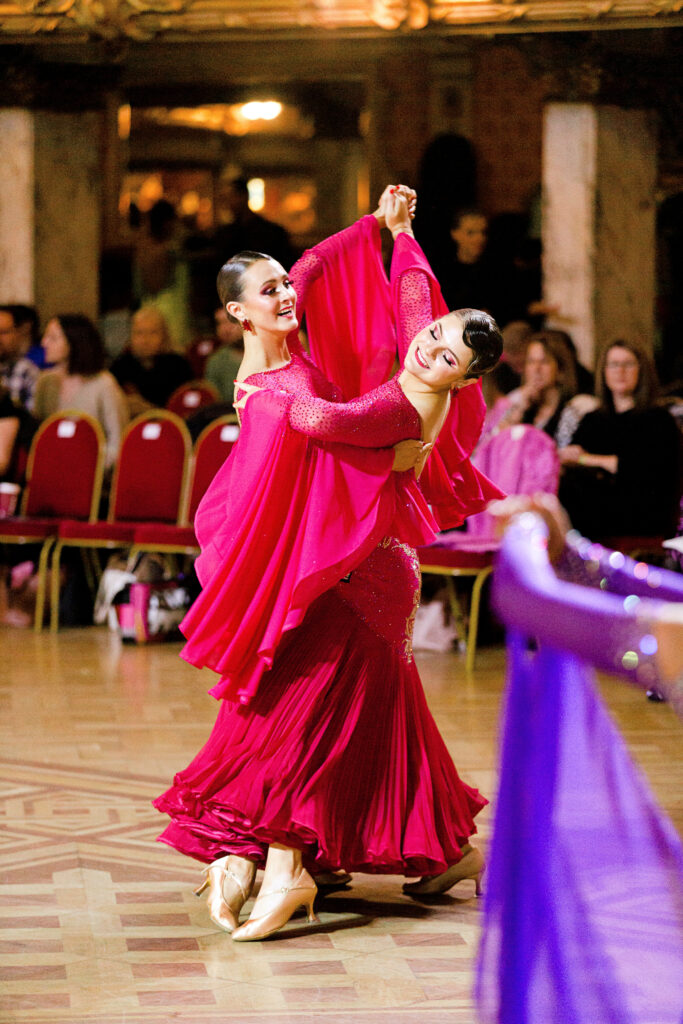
x=471, y=865
x=285, y=902
x=225, y=912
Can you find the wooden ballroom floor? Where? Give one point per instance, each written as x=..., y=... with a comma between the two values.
x=99, y=924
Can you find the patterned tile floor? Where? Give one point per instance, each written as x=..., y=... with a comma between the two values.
x=98, y=924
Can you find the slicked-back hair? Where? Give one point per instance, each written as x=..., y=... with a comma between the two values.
x=480, y=333
x=230, y=277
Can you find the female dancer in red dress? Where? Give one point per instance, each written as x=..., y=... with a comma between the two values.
x=308, y=568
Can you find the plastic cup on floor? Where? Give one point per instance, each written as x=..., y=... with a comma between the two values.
x=9, y=496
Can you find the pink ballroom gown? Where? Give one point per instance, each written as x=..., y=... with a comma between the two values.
x=323, y=741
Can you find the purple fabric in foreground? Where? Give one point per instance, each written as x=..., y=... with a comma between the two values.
x=584, y=900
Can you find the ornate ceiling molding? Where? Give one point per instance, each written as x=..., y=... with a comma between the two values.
x=169, y=19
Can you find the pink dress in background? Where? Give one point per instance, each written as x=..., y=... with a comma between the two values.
x=324, y=741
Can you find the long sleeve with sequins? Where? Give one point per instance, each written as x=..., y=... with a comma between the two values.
x=310, y=266
x=414, y=306
x=377, y=420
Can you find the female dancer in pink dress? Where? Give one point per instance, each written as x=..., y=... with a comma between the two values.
x=308, y=571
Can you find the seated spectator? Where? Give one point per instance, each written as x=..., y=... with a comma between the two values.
x=222, y=366
x=622, y=469
x=516, y=334
x=147, y=370
x=548, y=382
x=496, y=386
x=17, y=373
x=26, y=319
x=78, y=380
x=17, y=427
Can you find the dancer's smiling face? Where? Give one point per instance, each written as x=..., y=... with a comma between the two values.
x=268, y=298
x=438, y=355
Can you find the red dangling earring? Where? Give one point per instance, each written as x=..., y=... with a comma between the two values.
x=247, y=325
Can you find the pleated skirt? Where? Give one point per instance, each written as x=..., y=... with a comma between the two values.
x=337, y=754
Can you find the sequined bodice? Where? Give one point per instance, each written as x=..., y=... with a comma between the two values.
x=378, y=419
x=299, y=376
x=385, y=588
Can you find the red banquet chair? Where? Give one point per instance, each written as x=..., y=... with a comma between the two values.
x=521, y=460
x=149, y=484
x=63, y=481
x=191, y=397
x=199, y=352
x=211, y=449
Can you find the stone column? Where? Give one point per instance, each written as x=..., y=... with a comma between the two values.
x=50, y=212
x=17, y=204
x=599, y=176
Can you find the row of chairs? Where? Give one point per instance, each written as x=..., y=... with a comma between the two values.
x=158, y=482
x=160, y=478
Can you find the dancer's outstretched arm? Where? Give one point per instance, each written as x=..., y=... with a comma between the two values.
x=639, y=637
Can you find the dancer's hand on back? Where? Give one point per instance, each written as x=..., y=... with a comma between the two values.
x=409, y=455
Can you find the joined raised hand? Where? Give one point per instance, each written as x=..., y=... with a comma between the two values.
x=390, y=193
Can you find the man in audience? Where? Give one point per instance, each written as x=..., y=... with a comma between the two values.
x=28, y=323
x=18, y=374
x=462, y=270
x=147, y=370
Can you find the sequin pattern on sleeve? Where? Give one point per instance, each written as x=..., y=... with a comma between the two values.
x=415, y=306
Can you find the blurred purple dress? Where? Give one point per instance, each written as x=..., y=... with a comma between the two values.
x=584, y=904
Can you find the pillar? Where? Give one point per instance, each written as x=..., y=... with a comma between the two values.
x=50, y=210
x=599, y=178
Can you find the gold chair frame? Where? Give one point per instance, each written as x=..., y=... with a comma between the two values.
x=480, y=575
x=47, y=544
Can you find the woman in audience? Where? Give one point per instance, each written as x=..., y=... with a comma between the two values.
x=74, y=349
x=148, y=371
x=548, y=382
x=622, y=468
x=308, y=570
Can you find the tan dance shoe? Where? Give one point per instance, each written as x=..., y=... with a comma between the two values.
x=227, y=893
x=283, y=903
x=471, y=865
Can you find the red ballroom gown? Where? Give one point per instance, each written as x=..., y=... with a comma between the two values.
x=330, y=747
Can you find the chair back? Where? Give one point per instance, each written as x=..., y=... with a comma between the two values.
x=198, y=353
x=65, y=468
x=521, y=460
x=189, y=398
x=211, y=449
x=151, y=474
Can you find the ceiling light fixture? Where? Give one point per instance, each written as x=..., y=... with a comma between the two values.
x=258, y=110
